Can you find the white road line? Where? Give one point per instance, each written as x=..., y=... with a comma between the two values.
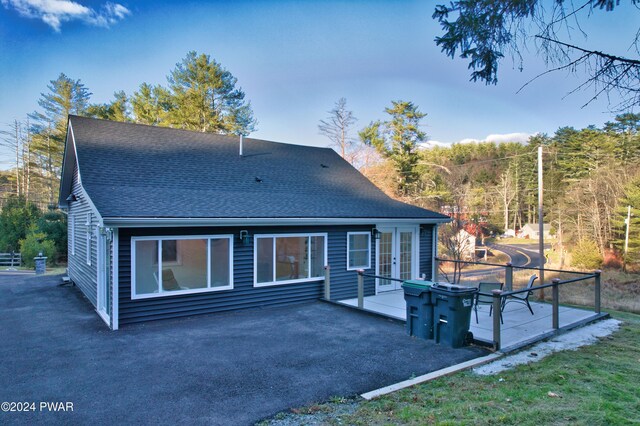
x=525, y=255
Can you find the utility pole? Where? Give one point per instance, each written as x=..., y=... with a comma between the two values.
x=540, y=222
x=627, y=221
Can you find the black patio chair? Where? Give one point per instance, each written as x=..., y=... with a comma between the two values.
x=522, y=297
x=482, y=299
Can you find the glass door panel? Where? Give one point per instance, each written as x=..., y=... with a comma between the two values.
x=395, y=257
x=385, y=261
x=406, y=255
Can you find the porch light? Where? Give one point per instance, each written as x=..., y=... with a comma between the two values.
x=375, y=234
x=244, y=237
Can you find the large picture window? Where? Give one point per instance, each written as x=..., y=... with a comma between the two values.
x=163, y=266
x=283, y=259
x=358, y=250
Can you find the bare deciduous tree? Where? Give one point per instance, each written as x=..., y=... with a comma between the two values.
x=337, y=127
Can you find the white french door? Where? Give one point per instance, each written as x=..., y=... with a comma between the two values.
x=396, y=256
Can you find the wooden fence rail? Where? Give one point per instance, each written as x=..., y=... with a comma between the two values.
x=10, y=259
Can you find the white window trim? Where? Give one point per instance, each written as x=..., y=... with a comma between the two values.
x=88, y=239
x=208, y=289
x=294, y=281
x=72, y=228
x=368, y=265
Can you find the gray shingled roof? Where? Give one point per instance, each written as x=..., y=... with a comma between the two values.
x=131, y=170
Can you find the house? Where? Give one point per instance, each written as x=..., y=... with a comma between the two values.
x=166, y=223
x=532, y=231
x=466, y=244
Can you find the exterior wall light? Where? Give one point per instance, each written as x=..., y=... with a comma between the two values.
x=375, y=234
x=244, y=237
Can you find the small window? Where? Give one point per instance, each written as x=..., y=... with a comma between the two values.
x=358, y=250
x=72, y=232
x=88, y=230
x=285, y=259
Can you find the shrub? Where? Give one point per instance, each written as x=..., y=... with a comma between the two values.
x=54, y=225
x=586, y=255
x=16, y=219
x=33, y=245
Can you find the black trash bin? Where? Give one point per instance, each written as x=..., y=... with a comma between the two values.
x=419, y=309
x=452, y=306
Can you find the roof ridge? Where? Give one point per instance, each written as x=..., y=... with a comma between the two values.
x=157, y=127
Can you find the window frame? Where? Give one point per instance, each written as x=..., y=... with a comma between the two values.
x=284, y=235
x=88, y=239
x=208, y=289
x=72, y=229
x=355, y=268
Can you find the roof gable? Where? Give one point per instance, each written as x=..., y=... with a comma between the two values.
x=132, y=170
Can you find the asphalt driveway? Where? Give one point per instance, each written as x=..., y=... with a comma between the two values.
x=234, y=368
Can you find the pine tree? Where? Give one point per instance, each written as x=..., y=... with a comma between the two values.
x=151, y=104
x=397, y=139
x=116, y=110
x=631, y=198
x=49, y=127
x=205, y=98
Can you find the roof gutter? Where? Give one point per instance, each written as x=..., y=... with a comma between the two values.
x=152, y=222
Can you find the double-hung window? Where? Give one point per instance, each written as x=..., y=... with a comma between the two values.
x=163, y=266
x=72, y=231
x=88, y=238
x=289, y=258
x=358, y=250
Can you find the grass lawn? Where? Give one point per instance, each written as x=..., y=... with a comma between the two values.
x=595, y=385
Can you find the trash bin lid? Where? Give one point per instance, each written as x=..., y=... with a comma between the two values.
x=453, y=288
x=416, y=287
x=417, y=283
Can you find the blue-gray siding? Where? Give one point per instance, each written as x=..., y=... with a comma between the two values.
x=426, y=250
x=83, y=275
x=244, y=295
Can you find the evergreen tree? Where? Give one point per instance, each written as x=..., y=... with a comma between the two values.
x=151, y=104
x=116, y=110
x=205, y=98
x=49, y=126
x=626, y=132
x=397, y=139
x=631, y=197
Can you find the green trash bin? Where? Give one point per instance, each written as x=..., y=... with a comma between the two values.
x=419, y=308
x=452, y=305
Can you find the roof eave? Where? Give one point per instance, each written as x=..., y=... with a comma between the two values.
x=148, y=222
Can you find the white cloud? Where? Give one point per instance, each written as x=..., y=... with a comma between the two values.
x=499, y=138
x=432, y=144
x=508, y=137
x=55, y=12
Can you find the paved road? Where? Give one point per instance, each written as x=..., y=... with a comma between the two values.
x=519, y=255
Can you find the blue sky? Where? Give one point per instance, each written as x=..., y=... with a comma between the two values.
x=294, y=59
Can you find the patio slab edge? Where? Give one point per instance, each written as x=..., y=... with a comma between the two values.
x=553, y=333
x=431, y=376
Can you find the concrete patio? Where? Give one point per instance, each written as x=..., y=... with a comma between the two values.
x=520, y=327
